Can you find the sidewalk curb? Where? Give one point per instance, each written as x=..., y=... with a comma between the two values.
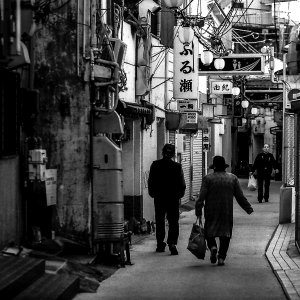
x=286, y=269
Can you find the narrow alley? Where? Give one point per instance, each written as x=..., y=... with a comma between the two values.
x=246, y=274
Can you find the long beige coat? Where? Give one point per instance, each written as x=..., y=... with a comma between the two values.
x=216, y=195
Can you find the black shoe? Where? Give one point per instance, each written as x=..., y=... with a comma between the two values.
x=173, y=250
x=260, y=201
x=161, y=247
x=266, y=200
x=213, y=255
x=221, y=262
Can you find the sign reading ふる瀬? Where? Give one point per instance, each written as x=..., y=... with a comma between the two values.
x=185, y=78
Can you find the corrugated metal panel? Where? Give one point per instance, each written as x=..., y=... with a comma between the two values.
x=186, y=163
x=172, y=135
x=297, y=187
x=289, y=150
x=197, y=163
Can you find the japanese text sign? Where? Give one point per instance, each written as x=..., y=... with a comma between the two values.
x=186, y=104
x=221, y=87
x=185, y=82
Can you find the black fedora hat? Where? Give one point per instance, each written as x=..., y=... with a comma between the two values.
x=219, y=163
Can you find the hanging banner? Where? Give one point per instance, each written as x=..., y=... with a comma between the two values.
x=185, y=77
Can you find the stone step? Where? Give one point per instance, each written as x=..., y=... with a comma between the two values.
x=51, y=287
x=17, y=273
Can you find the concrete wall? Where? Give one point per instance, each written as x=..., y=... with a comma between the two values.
x=62, y=122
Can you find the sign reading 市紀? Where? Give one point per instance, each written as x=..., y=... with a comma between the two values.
x=185, y=77
x=236, y=64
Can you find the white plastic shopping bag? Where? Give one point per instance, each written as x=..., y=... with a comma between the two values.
x=252, y=184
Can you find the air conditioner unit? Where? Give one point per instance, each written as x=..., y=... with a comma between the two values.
x=119, y=48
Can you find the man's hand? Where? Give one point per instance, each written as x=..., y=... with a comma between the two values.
x=276, y=171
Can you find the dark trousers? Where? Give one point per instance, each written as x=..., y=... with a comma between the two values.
x=263, y=186
x=170, y=210
x=224, y=245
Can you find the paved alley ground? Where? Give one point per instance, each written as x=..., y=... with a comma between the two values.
x=246, y=274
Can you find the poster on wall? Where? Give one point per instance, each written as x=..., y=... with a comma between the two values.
x=51, y=186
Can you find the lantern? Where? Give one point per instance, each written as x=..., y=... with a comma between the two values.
x=261, y=111
x=264, y=49
x=219, y=63
x=235, y=91
x=254, y=111
x=185, y=34
x=173, y=3
x=206, y=57
x=245, y=104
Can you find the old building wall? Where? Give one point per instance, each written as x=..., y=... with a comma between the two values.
x=62, y=123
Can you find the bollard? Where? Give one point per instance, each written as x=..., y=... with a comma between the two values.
x=285, y=205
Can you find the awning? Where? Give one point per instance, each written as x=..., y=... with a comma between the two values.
x=133, y=110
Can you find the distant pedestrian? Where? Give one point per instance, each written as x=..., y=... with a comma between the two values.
x=262, y=169
x=166, y=185
x=216, y=195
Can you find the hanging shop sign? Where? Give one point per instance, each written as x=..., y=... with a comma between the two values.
x=186, y=104
x=236, y=64
x=221, y=87
x=185, y=79
x=191, y=117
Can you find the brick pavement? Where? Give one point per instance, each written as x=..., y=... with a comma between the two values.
x=285, y=267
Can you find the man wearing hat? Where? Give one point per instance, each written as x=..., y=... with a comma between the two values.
x=217, y=192
x=166, y=185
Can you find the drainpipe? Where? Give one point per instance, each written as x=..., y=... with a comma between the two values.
x=93, y=42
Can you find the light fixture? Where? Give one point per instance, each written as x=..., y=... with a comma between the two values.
x=185, y=34
x=235, y=91
x=264, y=50
x=206, y=57
x=245, y=103
x=219, y=63
x=173, y=3
x=254, y=111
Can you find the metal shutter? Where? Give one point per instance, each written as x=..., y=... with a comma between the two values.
x=172, y=136
x=197, y=163
x=186, y=165
x=289, y=150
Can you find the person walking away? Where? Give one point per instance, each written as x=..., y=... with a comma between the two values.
x=166, y=185
x=262, y=168
x=216, y=195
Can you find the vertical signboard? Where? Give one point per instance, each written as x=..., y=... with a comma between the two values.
x=185, y=83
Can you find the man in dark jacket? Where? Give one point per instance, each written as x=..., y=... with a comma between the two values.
x=166, y=185
x=216, y=196
x=262, y=168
